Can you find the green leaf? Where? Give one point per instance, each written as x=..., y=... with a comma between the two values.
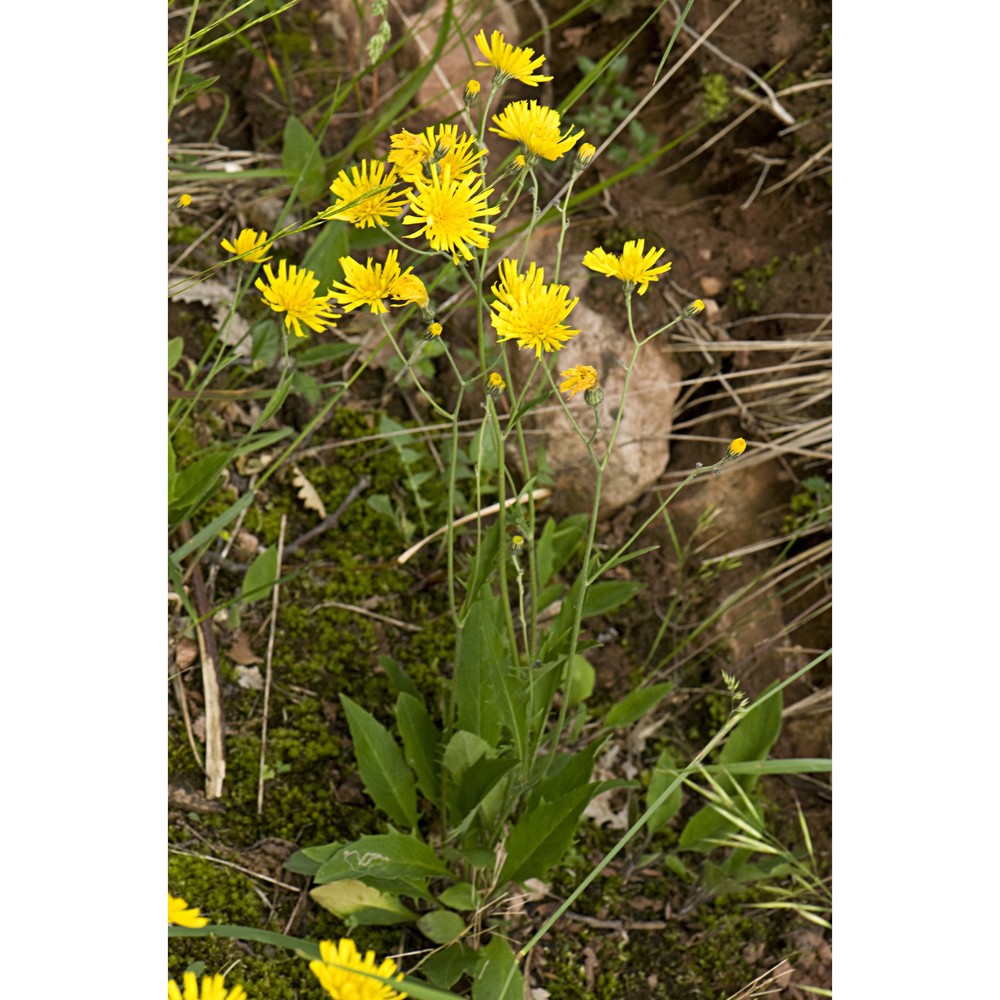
x=360, y=904
x=175, y=348
x=261, y=575
x=557, y=543
x=308, y=860
x=195, y=483
x=461, y=896
x=420, y=744
x=664, y=774
x=386, y=776
x=542, y=836
x=323, y=259
x=482, y=650
x=497, y=977
x=332, y=351
x=607, y=595
x=383, y=856
x=401, y=680
x=475, y=784
x=441, y=926
x=212, y=529
x=562, y=772
x=303, y=161
x=754, y=735
x=581, y=681
x=636, y=704
x=445, y=967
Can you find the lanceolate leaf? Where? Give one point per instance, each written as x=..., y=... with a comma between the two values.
x=541, y=837
x=383, y=770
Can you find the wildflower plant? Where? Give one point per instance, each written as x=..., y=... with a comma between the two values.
x=483, y=792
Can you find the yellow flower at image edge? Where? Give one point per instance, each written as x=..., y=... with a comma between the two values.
x=212, y=988
x=634, y=267
x=346, y=984
x=578, y=379
x=179, y=913
x=510, y=60
x=250, y=243
x=292, y=292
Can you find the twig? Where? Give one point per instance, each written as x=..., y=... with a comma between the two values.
x=333, y=519
x=493, y=508
x=215, y=751
x=270, y=660
x=181, y=695
x=370, y=614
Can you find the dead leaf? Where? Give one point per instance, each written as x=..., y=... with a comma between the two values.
x=185, y=652
x=307, y=492
x=240, y=651
x=250, y=678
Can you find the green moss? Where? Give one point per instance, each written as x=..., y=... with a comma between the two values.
x=749, y=290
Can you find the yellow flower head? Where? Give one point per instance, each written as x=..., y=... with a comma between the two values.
x=249, y=243
x=335, y=974
x=433, y=331
x=368, y=285
x=413, y=154
x=212, y=988
x=495, y=384
x=529, y=311
x=471, y=94
x=179, y=913
x=536, y=128
x=693, y=308
x=585, y=154
x=409, y=288
x=510, y=60
x=736, y=448
x=365, y=198
x=578, y=379
x=292, y=292
x=184, y=200
x=446, y=209
x=634, y=267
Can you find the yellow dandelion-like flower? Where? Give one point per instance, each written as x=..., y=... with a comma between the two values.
x=367, y=285
x=634, y=267
x=292, y=292
x=212, y=988
x=250, y=243
x=433, y=331
x=447, y=211
x=693, y=308
x=736, y=448
x=495, y=384
x=409, y=288
x=578, y=379
x=365, y=197
x=536, y=128
x=510, y=61
x=184, y=200
x=529, y=311
x=413, y=154
x=179, y=913
x=471, y=94
x=345, y=984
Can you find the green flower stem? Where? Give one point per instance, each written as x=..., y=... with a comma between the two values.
x=413, y=375
x=731, y=722
x=449, y=538
x=494, y=423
